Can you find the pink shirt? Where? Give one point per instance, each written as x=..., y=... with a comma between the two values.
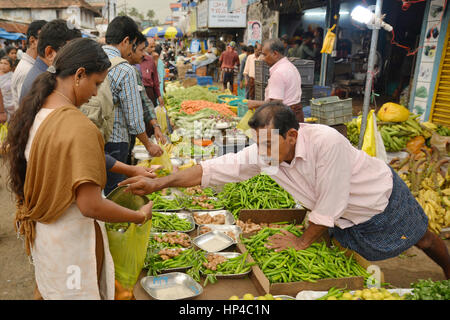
x=284, y=83
x=341, y=185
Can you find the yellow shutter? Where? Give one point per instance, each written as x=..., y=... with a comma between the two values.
x=440, y=108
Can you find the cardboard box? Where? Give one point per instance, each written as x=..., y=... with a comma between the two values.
x=189, y=82
x=262, y=282
x=201, y=71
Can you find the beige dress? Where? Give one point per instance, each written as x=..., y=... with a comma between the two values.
x=64, y=251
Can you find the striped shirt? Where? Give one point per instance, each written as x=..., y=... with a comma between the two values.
x=129, y=117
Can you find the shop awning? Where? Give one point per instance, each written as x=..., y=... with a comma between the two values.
x=10, y=26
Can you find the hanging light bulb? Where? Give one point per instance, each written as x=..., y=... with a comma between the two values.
x=362, y=14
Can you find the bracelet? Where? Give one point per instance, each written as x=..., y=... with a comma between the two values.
x=156, y=126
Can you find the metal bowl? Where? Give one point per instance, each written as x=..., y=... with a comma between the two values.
x=127, y=199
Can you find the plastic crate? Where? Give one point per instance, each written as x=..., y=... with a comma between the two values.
x=305, y=68
x=261, y=71
x=204, y=81
x=307, y=94
x=260, y=89
x=321, y=92
x=332, y=110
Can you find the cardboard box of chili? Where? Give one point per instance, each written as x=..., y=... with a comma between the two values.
x=297, y=216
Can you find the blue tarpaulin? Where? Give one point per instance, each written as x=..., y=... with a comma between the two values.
x=11, y=35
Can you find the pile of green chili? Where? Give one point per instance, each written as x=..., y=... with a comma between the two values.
x=290, y=265
x=259, y=192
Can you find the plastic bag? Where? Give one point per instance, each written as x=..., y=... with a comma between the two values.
x=128, y=251
x=373, y=142
x=243, y=124
x=162, y=119
x=328, y=43
x=163, y=160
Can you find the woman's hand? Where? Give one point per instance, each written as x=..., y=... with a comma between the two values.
x=146, y=211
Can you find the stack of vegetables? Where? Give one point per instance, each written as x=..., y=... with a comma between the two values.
x=289, y=265
x=424, y=172
x=395, y=124
x=259, y=192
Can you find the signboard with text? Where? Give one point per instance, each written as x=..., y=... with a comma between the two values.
x=233, y=5
x=202, y=15
x=219, y=17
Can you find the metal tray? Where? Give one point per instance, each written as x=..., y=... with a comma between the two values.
x=169, y=197
x=229, y=218
x=182, y=215
x=163, y=233
x=201, y=240
x=237, y=231
x=230, y=255
x=164, y=287
x=202, y=210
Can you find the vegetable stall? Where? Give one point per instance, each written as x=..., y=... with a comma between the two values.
x=205, y=241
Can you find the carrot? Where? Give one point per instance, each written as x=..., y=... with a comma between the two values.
x=193, y=106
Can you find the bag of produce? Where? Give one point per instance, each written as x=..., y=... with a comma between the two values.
x=393, y=112
x=128, y=250
x=162, y=119
x=243, y=124
x=163, y=160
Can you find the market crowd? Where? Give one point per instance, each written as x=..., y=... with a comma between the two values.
x=75, y=108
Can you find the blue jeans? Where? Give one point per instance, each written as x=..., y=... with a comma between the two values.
x=119, y=151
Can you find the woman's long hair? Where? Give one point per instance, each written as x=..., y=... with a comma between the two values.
x=78, y=53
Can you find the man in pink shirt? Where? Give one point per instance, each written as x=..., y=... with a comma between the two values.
x=360, y=199
x=285, y=82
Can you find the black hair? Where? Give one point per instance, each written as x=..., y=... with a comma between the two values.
x=308, y=35
x=244, y=48
x=79, y=53
x=8, y=49
x=140, y=38
x=277, y=114
x=10, y=61
x=33, y=29
x=276, y=45
x=55, y=34
x=120, y=28
x=257, y=23
x=158, y=49
x=250, y=49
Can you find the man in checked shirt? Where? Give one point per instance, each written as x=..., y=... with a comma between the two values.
x=120, y=40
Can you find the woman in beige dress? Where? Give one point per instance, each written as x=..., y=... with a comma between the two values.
x=57, y=170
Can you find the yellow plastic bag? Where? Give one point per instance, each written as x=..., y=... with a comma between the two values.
x=161, y=118
x=163, y=160
x=393, y=112
x=243, y=124
x=373, y=142
x=128, y=251
x=328, y=43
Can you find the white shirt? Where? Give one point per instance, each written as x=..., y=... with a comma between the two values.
x=22, y=69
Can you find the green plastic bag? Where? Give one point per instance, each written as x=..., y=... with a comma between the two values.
x=128, y=251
